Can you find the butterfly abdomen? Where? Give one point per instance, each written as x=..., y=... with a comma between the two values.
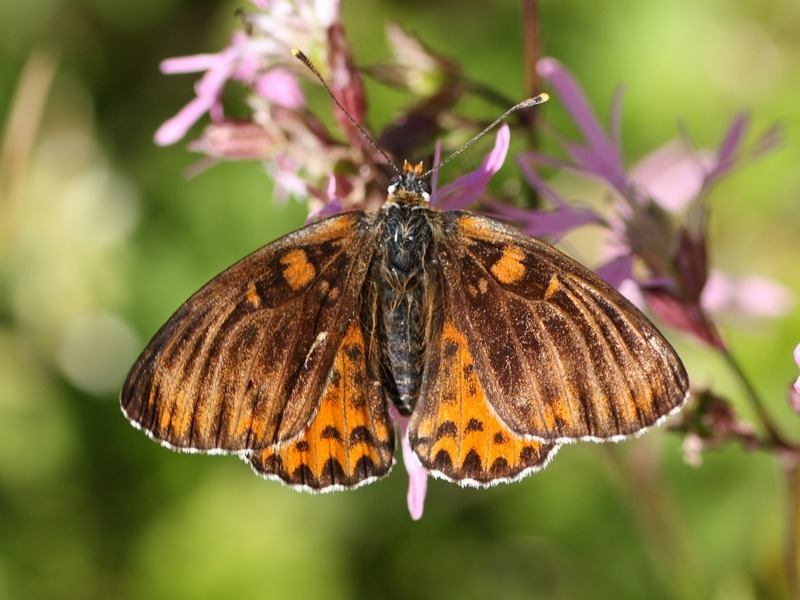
x=401, y=266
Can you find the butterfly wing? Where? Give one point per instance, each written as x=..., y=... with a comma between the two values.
x=265, y=354
x=350, y=441
x=454, y=429
x=560, y=354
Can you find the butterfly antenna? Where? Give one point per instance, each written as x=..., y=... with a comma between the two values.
x=541, y=98
x=298, y=54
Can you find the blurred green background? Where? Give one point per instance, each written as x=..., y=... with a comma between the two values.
x=102, y=237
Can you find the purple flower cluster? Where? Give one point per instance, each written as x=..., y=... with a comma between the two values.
x=658, y=212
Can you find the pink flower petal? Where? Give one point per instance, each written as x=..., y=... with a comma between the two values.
x=732, y=152
x=219, y=68
x=417, y=476
x=331, y=189
x=631, y=290
x=615, y=120
x=234, y=140
x=417, y=479
x=752, y=295
x=794, y=391
x=794, y=396
x=761, y=297
x=331, y=204
x=673, y=175
x=718, y=292
x=601, y=156
x=188, y=64
x=730, y=146
x=543, y=223
x=175, y=128
x=468, y=188
x=574, y=100
x=617, y=270
x=280, y=87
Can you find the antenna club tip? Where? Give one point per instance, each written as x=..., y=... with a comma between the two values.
x=297, y=53
x=538, y=99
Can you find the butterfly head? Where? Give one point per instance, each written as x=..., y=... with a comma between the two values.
x=409, y=187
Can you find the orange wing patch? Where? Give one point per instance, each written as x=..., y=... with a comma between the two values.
x=297, y=269
x=350, y=440
x=509, y=268
x=454, y=431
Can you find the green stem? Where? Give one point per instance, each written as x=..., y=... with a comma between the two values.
x=755, y=401
x=791, y=459
x=639, y=482
x=533, y=45
x=793, y=534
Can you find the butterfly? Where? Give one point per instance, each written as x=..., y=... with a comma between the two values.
x=496, y=347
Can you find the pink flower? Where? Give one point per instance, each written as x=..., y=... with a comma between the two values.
x=280, y=87
x=233, y=140
x=794, y=391
x=468, y=188
x=417, y=476
x=752, y=295
x=618, y=270
x=240, y=62
x=218, y=70
x=731, y=152
x=600, y=155
x=673, y=175
x=252, y=58
x=658, y=214
x=555, y=223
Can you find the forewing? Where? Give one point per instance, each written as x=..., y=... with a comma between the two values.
x=561, y=355
x=243, y=363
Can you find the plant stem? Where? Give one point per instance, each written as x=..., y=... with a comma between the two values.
x=533, y=45
x=793, y=533
x=790, y=455
x=639, y=481
x=755, y=401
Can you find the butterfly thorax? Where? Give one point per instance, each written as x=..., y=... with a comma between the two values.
x=401, y=268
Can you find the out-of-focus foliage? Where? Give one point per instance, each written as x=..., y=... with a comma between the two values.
x=101, y=237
